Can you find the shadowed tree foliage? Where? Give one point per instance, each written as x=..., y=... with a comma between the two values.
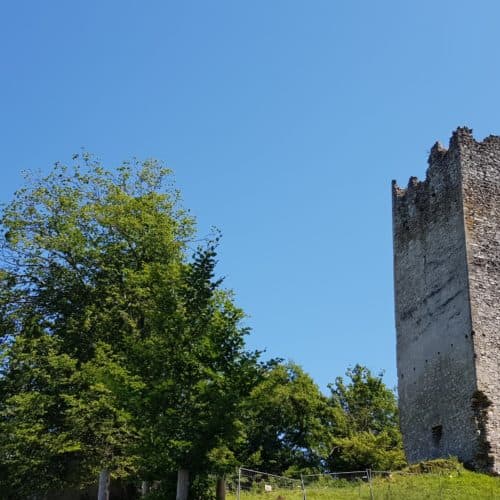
x=287, y=422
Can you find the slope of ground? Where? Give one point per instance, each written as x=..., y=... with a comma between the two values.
x=446, y=480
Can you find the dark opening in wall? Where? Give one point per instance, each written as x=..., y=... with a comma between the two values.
x=437, y=434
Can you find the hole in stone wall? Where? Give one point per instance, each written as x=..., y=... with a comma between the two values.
x=437, y=434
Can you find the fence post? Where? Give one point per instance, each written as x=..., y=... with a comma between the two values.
x=304, y=494
x=239, y=484
x=369, y=475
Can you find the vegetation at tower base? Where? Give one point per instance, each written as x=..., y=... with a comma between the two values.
x=122, y=355
x=366, y=424
x=291, y=427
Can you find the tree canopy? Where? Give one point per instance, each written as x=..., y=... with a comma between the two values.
x=120, y=351
x=366, y=423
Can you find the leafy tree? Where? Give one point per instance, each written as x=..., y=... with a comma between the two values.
x=286, y=422
x=101, y=414
x=37, y=448
x=205, y=382
x=366, y=423
x=365, y=450
x=59, y=425
x=79, y=245
x=98, y=261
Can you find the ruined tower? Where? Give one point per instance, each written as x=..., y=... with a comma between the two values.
x=446, y=232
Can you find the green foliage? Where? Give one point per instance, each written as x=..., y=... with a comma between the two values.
x=199, y=366
x=138, y=363
x=438, y=465
x=122, y=351
x=58, y=423
x=366, y=424
x=366, y=450
x=37, y=447
x=100, y=414
x=292, y=428
x=367, y=404
x=286, y=420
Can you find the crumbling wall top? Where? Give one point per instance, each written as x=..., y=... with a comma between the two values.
x=441, y=162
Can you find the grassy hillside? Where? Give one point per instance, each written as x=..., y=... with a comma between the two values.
x=451, y=482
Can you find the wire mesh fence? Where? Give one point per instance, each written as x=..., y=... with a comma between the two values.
x=407, y=485
x=249, y=484
x=352, y=484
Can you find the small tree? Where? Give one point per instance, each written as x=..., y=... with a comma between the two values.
x=366, y=423
x=286, y=422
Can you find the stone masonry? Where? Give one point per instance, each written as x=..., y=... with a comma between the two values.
x=446, y=232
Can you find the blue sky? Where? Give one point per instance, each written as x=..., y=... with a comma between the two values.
x=284, y=122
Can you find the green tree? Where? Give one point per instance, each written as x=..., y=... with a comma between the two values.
x=366, y=423
x=287, y=422
x=101, y=414
x=99, y=262
x=205, y=381
x=37, y=448
x=79, y=247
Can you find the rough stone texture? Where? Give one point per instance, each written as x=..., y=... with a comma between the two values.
x=481, y=194
x=446, y=271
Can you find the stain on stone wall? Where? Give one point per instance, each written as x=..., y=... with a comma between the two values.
x=446, y=271
x=480, y=404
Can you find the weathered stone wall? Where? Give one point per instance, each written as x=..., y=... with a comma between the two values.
x=481, y=192
x=436, y=374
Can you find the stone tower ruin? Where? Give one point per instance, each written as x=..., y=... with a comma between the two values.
x=446, y=232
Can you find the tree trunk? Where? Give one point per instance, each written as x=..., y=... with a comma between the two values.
x=182, y=484
x=144, y=488
x=220, y=489
x=103, y=492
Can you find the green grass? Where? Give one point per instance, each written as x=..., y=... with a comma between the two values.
x=458, y=484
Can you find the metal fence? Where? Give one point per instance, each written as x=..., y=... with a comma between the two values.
x=368, y=484
x=252, y=484
x=352, y=484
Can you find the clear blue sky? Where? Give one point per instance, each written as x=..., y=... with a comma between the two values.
x=284, y=121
